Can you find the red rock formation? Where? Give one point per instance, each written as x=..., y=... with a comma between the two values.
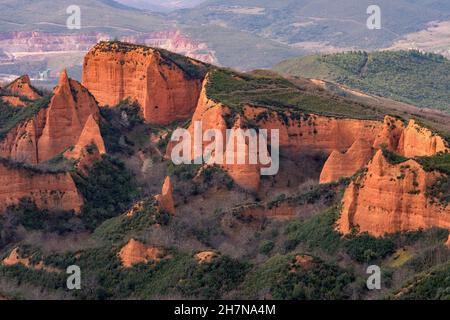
x=135, y=252
x=13, y=101
x=205, y=257
x=47, y=190
x=114, y=72
x=212, y=117
x=315, y=133
x=417, y=141
x=14, y=258
x=341, y=165
x=390, y=133
x=54, y=129
x=67, y=115
x=22, y=87
x=90, y=146
x=302, y=261
x=165, y=199
x=390, y=198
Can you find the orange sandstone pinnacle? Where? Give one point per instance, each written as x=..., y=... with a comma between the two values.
x=165, y=199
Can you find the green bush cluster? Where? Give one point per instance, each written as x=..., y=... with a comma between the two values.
x=108, y=190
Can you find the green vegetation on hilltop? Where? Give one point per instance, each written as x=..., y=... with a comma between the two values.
x=193, y=69
x=421, y=79
x=235, y=90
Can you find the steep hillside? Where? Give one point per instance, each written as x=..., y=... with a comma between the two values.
x=408, y=76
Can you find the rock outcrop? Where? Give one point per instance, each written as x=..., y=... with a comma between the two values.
x=309, y=133
x=52, y=191
x=90, y=146
x=340, y=165
x=165, y=199
x=205, y=257
x=389, y=198
x=410, y=141
x=66, y=117
x=56, y=128
x=22, y=87
x=135, y=252
x=13, y=101
x=417, y=141
x=15, y=258
x=165, y=91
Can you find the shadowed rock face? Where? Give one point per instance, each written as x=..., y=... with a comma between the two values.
x=47, y=190
x=56, y=128
x=165, y=92
x=390, y=198
x=22, y=87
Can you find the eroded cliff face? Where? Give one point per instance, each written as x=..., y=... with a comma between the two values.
x=212, y=116
x=22, y=87
x=69, y=124
x=166, y=93
x=52, y=191
x=56, y=128
x=409, y=141
x=389, y=198
x=311, y=133
x=346, y=164
x=417, y=141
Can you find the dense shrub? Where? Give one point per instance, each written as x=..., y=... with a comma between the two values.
x=108, y=191
x=365, y=248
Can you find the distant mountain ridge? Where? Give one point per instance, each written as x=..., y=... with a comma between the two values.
x=160, y=6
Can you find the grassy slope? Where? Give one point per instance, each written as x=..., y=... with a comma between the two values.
x=407, y=76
